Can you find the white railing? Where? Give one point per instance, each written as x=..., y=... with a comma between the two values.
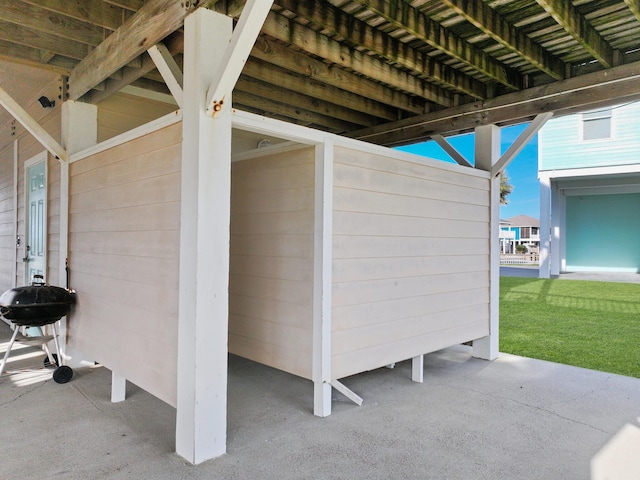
x=520, y=259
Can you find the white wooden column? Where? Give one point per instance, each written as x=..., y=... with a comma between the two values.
x=79, y=130
x=487, y=153
x=545, y=227
x=201, y=417
x=557, y=222
x=323, y=233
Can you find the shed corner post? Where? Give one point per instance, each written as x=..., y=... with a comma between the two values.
x=487, y=153
x=322, y=279
x=79, y=130
x=203, y=311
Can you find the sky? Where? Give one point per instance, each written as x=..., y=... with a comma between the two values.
x=522, y=171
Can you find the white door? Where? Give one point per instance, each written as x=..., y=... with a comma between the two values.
x=36, y=213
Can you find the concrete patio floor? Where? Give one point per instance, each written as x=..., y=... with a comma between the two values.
x=513, y=418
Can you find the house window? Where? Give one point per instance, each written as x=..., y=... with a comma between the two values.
x=525, y=232
x=596, y=125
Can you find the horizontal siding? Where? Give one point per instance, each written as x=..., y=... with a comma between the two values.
x=124, y=237
x=561, y=147
x=271, y=264
x=121, y=112
x=410, y=260
x=7, y=219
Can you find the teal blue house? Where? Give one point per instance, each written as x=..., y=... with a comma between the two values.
x=589, y=171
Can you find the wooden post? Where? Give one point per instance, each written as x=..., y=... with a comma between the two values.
x=201, y=417
x=487, y=151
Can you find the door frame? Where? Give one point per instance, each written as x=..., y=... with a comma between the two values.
x=40, y=157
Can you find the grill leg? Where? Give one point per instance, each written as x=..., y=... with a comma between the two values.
x=55, y=341
x=6, y=355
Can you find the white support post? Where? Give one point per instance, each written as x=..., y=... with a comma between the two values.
x=323, y=231
x=169, y=69
x=487, y=152
x=118, y=388
x=545, y=227
x=237, y=52
x=203, y=312
x=79, y=130
x=347, y=392
x=558, y=262
x=417, y=369
x=33, y=127
x=451, y=151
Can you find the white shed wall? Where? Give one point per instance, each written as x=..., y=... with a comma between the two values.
x=271, y=265
x=410, y=259
x=124, y=225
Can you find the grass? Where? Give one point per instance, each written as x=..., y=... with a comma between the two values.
x=588, y=324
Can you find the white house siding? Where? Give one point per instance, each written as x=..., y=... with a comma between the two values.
x=121, y=112
x=271, y=264
x=561, y=145
x=7, y=220
x=410, y=259
x=124, y=225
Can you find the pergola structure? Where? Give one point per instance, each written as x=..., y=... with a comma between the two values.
x=389, y=72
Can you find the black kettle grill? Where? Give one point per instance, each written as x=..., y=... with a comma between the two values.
x=37, y=305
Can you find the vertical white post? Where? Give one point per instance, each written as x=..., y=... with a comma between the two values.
x=545, y=226
x=417, y=369
x=79, y=130
x=558, y=205
x=322, y=254
x=201, y=417
x=118, y=388
x=487, y=153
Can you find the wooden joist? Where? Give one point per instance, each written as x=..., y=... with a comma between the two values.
x=153, y=22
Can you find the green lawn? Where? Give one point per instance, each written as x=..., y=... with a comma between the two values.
x=593, y=325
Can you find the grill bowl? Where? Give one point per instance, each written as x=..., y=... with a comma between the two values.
x=36, y=305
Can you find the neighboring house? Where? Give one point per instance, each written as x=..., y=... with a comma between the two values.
x=589, y=170
x=519, y=230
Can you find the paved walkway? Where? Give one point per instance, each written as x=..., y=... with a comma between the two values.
x=534, y=272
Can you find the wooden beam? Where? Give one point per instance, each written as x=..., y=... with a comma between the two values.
x=410, y=19
x=169, y=70
x=634, y=6
x=270, y=108
x=580, y=29
x=20, y=35
x=32, y=57
x=33, y=127
x=276, y=76
x=594, y=90
x=309, y=68
x=235, y=56
x=377, y=41
x=51, y=22
x=310, y=41
x=294, y=99
x=174, y=43
x=451, y=151
x=520, y=142
x=489, y=22
x=149, y=25
x=95, y=12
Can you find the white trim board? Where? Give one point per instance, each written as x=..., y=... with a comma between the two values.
x=141, y=131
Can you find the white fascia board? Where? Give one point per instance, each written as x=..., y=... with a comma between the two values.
x=590, y=171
